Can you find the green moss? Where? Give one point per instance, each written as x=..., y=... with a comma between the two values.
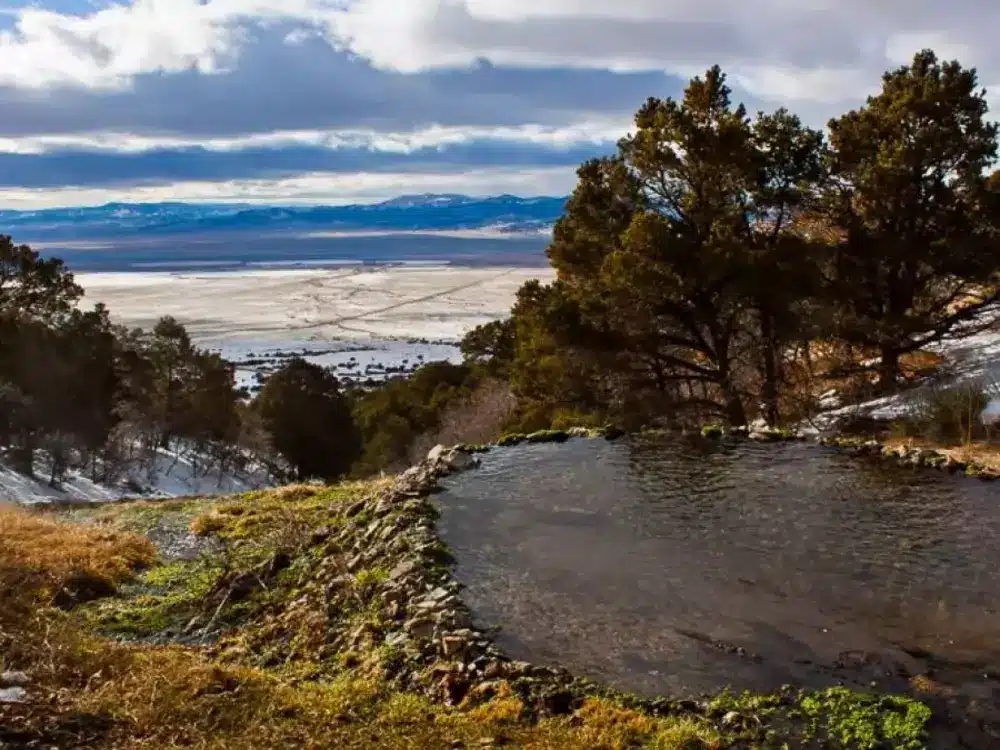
x=510, y=439
x=476, y=448
x=164, y=598
x=831, y=718
x=370, y=577
x=548, y=436
x=140, y=516
x=712, y=431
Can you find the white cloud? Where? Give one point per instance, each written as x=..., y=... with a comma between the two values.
x=813, y=54
x=808, y=50
x=586, y=132
x=327, y=189
x=818, y=57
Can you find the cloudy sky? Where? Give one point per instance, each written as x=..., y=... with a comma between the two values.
x=355, y=100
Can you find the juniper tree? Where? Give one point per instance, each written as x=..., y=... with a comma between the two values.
x=908, y=194
x=675, y=250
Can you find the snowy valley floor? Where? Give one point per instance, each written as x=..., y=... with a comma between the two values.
x=360, y=320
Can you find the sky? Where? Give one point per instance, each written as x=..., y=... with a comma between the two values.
x=340, y=101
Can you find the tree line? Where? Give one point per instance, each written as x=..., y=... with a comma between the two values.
x=122, y=405
x=717, y=261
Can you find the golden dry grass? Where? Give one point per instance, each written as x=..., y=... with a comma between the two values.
x=40, y=557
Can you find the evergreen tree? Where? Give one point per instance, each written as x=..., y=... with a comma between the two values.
x=673, y=260
x=309, y=420
x=910, y=199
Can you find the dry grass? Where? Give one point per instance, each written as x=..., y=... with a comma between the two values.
x=41, y=558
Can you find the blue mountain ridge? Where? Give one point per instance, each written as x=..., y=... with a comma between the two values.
x=428, y=212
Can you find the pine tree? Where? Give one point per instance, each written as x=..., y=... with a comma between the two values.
x=309, y=420
x=909, y=196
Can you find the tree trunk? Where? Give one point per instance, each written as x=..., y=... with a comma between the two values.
x=888, y=374
x=772, y=373
x=735, y=413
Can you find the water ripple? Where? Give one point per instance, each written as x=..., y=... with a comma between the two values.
x=671, y=566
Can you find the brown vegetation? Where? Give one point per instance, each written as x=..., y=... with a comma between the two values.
x=43, y=560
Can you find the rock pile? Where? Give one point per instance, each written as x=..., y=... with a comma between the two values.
x=13, y=687
x=421, y=626
x=910, y=456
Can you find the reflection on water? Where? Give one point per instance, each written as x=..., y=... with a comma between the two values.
x=673, y=567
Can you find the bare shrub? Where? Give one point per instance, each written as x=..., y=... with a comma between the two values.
x=478, y=418
x=951, y=414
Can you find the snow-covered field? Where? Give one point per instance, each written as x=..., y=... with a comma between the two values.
x=291, y=307
x=975, y=359
x=171, y=474
x=365, y=322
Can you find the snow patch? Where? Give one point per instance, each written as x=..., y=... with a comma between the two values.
x=171, y=473
x=975, y=359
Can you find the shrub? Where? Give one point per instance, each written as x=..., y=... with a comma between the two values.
x=950, y=414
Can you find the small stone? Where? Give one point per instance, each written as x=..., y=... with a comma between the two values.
x=396, y=639
x=13, y=695
x=452, y=645
x=421, y=629
x=439, y=594
x=14, y=679
x=402, y=570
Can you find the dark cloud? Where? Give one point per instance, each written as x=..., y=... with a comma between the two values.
x=308, y=85
x=103, y=169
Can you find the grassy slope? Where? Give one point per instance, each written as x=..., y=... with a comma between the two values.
x=235, y=640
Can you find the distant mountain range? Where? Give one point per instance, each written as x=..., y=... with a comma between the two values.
x=427, y=212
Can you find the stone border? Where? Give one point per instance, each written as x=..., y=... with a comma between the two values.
x=438, y=650
x=906, y=456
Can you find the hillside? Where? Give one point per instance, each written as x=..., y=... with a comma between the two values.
x=504, y=213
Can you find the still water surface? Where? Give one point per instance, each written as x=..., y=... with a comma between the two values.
x=673, y=567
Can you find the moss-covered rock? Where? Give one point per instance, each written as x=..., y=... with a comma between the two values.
x=712, y=431
x=548, y=436
x=511, y=439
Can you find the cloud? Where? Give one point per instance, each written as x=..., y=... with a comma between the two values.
x=138, y=95
x=435, y=137
x=308, y=188
x=311, y=86
x=126, y=170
